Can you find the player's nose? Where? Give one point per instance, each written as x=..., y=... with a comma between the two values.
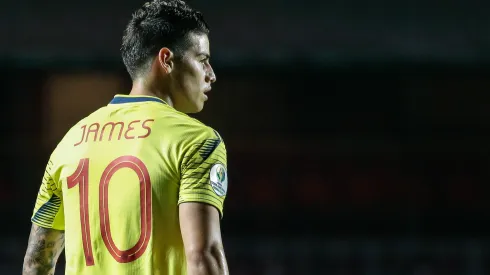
x=211, y=76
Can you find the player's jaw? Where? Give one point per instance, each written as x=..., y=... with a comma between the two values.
x=191, y=100
x=196, y=93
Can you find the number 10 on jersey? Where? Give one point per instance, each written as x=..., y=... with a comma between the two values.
x=80, y=177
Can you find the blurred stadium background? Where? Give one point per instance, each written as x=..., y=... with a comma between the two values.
x=357, y=132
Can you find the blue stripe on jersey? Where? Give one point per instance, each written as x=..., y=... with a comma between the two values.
x=208, y=146
x=133, y=99
x=46, y=213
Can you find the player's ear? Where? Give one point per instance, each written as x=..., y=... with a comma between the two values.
x=165, y=59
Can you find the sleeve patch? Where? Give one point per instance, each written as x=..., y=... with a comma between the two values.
x=218, y=179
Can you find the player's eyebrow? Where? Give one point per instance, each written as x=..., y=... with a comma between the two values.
x=204, y=54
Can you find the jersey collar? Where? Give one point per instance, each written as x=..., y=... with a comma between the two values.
x=120, y=99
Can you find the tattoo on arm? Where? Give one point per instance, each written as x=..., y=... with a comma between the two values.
x=44, y=248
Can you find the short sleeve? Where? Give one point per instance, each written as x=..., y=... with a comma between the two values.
x=204, y=176
x=48, y=211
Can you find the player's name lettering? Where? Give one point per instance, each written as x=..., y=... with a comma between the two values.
x=125, y=130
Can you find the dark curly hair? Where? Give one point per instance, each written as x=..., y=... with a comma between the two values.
x=158, y=24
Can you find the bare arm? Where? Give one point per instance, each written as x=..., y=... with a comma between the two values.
x=201, y=233
x=44, y=248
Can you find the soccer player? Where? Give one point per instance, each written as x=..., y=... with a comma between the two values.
x=137, y=187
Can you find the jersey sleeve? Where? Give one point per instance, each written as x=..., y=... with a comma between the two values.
x=48, y=210
x=204, y=176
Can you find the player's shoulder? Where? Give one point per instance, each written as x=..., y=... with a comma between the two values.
x=73, y=134
x=186, y=127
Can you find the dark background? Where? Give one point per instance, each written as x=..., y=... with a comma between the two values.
x=357, y=132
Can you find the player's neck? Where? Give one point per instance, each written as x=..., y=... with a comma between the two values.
x=141, y=88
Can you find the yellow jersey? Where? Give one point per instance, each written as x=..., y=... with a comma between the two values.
x=115, y=181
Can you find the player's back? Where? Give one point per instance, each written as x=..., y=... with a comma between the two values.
x=120, y=170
